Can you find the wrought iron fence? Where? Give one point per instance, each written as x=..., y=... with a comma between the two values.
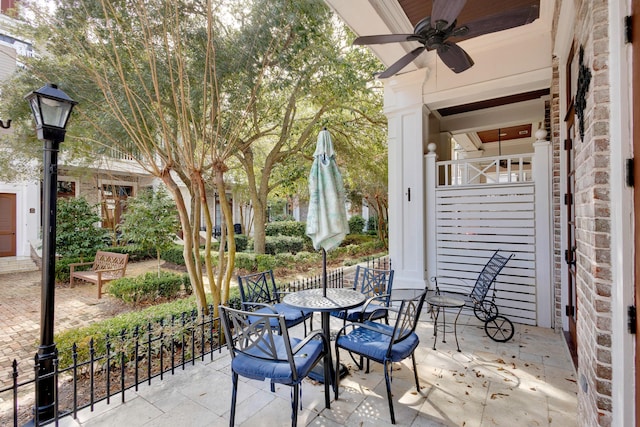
x=335, y=279
x=102, y=369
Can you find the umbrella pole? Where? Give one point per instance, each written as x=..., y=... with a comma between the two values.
x=324, y=272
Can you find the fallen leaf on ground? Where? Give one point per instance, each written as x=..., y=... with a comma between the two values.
x=494, y=396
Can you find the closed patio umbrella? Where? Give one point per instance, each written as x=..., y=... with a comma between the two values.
x=327, y=223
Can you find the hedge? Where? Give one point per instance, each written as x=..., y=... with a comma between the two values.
x=115, y=326
x=148, y=287
x=286, y=228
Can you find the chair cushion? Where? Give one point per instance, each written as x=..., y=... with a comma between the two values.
x=278, y=371
x=374, y=345
x=292, y=316
x=372, y=312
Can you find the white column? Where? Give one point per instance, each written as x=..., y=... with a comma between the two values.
x=407, y=124
x=431, y=212
x=542, y=176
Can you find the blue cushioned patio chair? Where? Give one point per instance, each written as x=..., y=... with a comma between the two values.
x=384, y=344
x=259, y=294
x=258, y=353
x=376, y=285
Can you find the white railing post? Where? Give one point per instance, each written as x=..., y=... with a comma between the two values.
x=542, y=177
x=431, y=182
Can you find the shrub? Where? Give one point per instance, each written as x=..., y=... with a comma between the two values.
x=63, y=273
x=357, y=239
x=265, y=262
x=286, y=228
x=372, y=223
x=174, y=255
x=151, y=220
x=147, y=287
x=356, y=224
x=246, y=261
x=284, y=260
x=127, y=322
x=241, y=242
x=279, y=244
x=136, y=252
x=76, y=232
x=234, y=300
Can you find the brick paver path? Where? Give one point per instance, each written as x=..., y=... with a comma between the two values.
x=20, y=314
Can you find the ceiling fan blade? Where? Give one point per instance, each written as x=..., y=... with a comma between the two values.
x=401, y=63
x=454, y=57
x=445, y=11
x=382, y=39
x=502, y=21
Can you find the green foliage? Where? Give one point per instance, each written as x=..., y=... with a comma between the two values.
x=286, y=228
x=357, y=239
x=77, y=234
x=246, y=261
x=136, y=252
x=241, y=242
x=63, y=272
x=173, y=254
x=265, y=262
x=147, y=287
x=356, y=224
x=127, y=322
x=279, y=244
x=372, y=223
x=234, y=298
x=151, y=220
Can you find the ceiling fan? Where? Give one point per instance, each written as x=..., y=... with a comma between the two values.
x=433, y=31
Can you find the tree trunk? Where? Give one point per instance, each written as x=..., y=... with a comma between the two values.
x=188, y=253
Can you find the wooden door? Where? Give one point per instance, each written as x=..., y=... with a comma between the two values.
x=635, y=48
x=571, y=308
x=7, y=224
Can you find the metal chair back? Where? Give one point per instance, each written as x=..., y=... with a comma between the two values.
x=373, y=282
x=258, y=288
x=488, y=276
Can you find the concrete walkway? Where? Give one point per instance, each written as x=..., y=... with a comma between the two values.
x=529, y=381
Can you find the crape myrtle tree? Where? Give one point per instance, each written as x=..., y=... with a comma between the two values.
x=315, y=79
x=163, y=82
x=188, y=87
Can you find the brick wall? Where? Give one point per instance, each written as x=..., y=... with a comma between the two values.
x=592, y=203
x=557, y=191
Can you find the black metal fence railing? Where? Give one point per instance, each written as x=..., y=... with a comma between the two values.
x=381, y=263
x=335, y=279
x=107, y=368
x=102, y=369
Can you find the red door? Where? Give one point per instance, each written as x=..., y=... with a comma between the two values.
x=7, y=224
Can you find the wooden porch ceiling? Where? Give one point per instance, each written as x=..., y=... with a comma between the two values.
x=473, y=10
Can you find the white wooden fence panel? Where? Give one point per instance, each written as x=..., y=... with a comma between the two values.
x=472, y=223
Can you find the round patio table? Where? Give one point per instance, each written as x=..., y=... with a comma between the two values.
x=325, y=301
x=442, y=302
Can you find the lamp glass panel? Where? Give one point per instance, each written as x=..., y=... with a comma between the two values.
x=54, y=112
x=35, y=108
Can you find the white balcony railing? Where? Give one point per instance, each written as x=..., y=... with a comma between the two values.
x=486, y=170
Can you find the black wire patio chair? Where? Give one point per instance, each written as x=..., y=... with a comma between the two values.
x=498, y=327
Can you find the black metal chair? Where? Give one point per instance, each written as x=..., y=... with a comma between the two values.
x=497, y=327
x=383, y=343
x=376, y=285
x=259, y=294
x=258, y=353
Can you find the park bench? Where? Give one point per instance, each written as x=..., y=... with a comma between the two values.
x=105, y=267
